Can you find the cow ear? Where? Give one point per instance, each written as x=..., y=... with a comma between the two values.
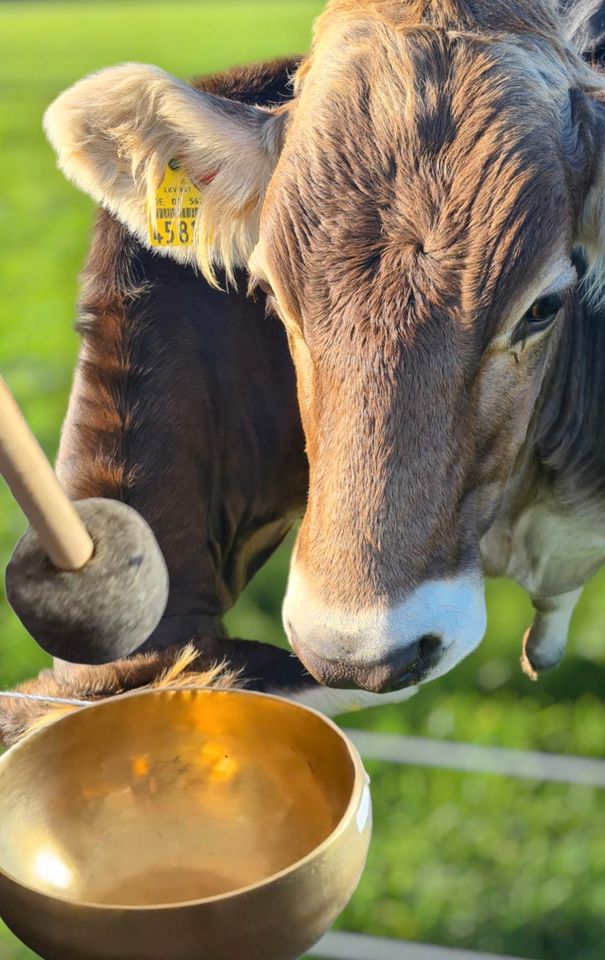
x=116, y=131
x=584, y=25
x=591, y=227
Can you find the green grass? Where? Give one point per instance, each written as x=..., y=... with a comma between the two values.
x=471, y=861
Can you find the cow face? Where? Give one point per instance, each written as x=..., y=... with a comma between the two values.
x=412, y=215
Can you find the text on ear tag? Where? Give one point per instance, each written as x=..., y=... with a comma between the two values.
x=177, y=206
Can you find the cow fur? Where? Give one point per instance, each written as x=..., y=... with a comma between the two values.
x=152, y=416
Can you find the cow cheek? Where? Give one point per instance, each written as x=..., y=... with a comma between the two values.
x=505, y=405
x=305, y=381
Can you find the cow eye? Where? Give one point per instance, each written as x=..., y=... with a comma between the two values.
x=539, y=317
x=543, y=311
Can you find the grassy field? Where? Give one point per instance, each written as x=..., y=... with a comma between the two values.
x=471, y=861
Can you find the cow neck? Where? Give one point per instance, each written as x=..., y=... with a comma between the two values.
x=184, y=407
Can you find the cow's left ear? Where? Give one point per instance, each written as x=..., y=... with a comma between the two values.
x=116, y=131
x=591, y=226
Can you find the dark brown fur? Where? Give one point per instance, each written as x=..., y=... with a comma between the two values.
x=205, y=661
x=184, y=407
x=175, y=390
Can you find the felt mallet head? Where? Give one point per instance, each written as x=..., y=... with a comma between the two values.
x=108, y=608
x=87, y=579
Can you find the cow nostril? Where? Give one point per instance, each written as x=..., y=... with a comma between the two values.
x=430, y=647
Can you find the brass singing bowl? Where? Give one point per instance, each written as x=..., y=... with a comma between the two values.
x=181, y=825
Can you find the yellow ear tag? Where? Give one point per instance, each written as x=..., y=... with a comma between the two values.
x=177, y=206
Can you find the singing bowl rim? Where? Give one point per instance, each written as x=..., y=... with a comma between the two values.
x=360, y=785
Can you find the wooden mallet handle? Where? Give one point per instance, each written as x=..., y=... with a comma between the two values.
x=36, y=489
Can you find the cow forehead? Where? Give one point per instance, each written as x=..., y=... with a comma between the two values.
x=419, y=157
x=539, y=17
x=400, y=71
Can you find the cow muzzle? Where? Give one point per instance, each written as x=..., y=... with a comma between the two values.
x=388, y=647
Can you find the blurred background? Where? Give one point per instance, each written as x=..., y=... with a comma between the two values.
x=463, y=860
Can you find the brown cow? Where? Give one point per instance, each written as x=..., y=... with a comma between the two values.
x=416, y=213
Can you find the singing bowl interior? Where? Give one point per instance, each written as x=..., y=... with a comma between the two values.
x=171, y=797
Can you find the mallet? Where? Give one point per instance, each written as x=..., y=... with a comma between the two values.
x=87, y=579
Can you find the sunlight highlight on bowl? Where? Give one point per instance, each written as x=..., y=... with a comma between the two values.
x=170, y=822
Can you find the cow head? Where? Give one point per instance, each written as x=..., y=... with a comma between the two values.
x=412, y=214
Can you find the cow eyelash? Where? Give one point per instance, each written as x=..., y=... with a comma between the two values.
x=270, y=300
x=259, y=283
x=265, y=286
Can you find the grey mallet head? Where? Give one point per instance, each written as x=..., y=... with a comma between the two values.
x=104, y=611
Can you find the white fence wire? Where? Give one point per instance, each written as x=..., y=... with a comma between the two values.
x=352, y=946
x=468, y=758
